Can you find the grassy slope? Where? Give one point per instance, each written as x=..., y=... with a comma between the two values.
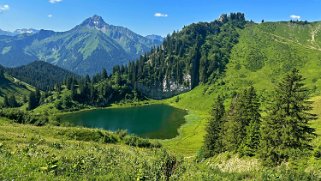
x=57, y=153
x=259, y=61
x=12, y=86
x=291, y=46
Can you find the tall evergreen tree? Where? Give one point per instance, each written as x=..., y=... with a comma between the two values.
x=285, y=130
x=32, y=102
x=252, y=138
x=12, y=101
x=38, y=96
x=243, y=114
x=233, y=132
x=104, y=74
x=6, y=101
x=213, y=139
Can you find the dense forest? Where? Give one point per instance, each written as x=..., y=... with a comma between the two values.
x=196, y=54
x=40, y=74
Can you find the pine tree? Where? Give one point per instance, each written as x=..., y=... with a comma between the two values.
x=6, y=101
x=213, y=139
x=12, y=101
x=104, y=74
x=232, y=128
x=73, y=92
x=38, y=96
x=251, y=141
x=32, y=102
x=285, y=131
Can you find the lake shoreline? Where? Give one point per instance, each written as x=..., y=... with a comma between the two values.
x=152, y=121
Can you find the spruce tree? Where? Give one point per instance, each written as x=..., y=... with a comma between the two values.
x=104, y=74
x=213, y=139
x=251, y=141
x=12, y=101
x=32, y=102
x=285, y=131
x=233, y=127
x=6, y=101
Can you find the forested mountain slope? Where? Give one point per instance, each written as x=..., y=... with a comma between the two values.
x=41, y=75
x=196, y=54
x=11, y=86
x=227, y=54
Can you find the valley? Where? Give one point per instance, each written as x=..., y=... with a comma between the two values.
x=243, y=64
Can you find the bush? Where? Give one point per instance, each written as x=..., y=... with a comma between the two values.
x=89, y=135
x=22, y=117
x=317, y=152
x=140, y=142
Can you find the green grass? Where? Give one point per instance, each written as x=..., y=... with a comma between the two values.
x=12, y=86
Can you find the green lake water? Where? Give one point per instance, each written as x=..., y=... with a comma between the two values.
x=152, y=121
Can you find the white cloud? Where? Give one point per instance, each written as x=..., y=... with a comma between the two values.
x=55, y=1
x=162, y=15
x=296, y=17
x=4, y=8
x=50, y=15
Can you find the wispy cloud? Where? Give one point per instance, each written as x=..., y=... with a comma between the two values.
x=55, y=1
x=50, y=15
x=161, y=15
x=4, y=8
x=296, y=17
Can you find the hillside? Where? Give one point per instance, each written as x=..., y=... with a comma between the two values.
x=12, y=86
x=41, y=75
x=85, y=49
x=267, y=51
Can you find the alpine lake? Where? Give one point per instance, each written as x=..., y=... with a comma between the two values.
x=157, y=121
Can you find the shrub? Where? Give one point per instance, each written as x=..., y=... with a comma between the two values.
x=89, y=135
x=140, y=142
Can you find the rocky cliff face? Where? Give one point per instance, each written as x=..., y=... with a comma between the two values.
x=168, y=89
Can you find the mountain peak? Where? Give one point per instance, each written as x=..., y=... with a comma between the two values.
x=94, y=21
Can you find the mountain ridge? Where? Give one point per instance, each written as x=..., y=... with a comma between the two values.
x=85, y=49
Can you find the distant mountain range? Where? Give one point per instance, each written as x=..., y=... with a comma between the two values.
x=85, y=49
x=19, y=32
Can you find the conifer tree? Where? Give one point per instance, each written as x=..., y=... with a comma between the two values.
x=213, y=139
x=32, y=102
x=285, y=131
x=104, y=74
x=251, y=141
x=12, y=101
x=233, y=125
x=6, y=101
x=244, y=110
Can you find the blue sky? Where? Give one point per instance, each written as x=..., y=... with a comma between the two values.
x=146, y=16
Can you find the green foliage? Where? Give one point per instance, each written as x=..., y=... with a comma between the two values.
x=10, y=102
x=139, y=142
x=196, y=54
x=34, y=100
x=213, y=141
x=89, y=135
x=286, y=131
x=22, y=117
x=251, y=141
x=41, y=75
x=240, y=132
